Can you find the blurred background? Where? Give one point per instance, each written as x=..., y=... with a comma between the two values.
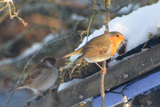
x=58, y=23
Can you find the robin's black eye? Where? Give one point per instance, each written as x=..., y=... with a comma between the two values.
x=117, y=35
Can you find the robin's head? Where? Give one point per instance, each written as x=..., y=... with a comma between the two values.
x=116, y=38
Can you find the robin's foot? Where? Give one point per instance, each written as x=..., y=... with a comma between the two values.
x=103, y=69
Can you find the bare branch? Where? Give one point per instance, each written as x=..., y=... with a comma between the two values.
x=121, y=6
x=87, y=31
x=10, y=4
x=102, y=91
x=108, y=14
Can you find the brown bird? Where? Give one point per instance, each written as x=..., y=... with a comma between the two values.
x=42, y=76
x=100, y=48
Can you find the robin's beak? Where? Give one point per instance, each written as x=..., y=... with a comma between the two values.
x=125, y=41
x=122, y=37
x=122, y=43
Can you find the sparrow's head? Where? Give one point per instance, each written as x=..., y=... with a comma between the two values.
x=49, y=61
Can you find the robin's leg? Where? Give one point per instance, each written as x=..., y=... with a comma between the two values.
x=104, y=70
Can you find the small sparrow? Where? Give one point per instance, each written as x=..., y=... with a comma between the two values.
x=100, y=48
x=42, y=76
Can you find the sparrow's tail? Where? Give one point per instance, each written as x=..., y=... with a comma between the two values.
x=35, y=91
x=73, y=53
x=21, y=87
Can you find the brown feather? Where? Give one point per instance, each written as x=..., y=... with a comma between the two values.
x=73, y=53
x=96, y=46
x=33, y=74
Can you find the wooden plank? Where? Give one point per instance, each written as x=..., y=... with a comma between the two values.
x=118, y=74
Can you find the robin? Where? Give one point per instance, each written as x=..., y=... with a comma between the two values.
x=100, y=48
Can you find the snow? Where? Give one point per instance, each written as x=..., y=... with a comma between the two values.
x=78, y=17
x=8, y=0
x=67, y=84
x=35, y=47
x=135, y=27
x=126, y=9
x=48, y=38
x=136, y=88
x=130, y=7
x=136, y=6
x=137, y=31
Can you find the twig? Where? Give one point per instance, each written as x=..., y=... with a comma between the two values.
x=102, y=91
x=87, y=31
x=150, y=37
x=104, y=63
x=75, y=27
x=10, y=5
x=17, y=84
x=121, y=6
x=3, y=7
x=108, y=14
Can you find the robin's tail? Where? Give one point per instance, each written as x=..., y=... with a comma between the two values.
x=73, y=53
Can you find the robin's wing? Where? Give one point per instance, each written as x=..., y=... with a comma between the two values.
x=96, y=47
